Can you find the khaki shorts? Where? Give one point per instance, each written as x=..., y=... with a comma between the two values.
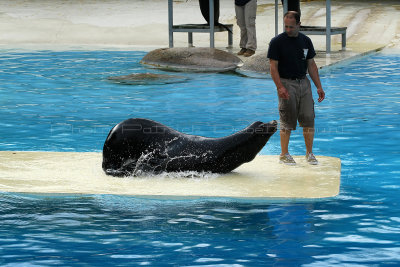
x=299, y=106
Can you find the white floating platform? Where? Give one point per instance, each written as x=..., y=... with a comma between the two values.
x=81, y=173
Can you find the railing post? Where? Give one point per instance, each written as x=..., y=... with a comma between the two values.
x=285, y=9
x=170, y=23
x=328, y=26
x=211, y=16
x=344, y=40
x=276, y=17
x=190, y=39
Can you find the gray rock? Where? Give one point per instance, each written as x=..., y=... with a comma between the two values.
x=256, y=66
x=192, y=59
x=146, y=78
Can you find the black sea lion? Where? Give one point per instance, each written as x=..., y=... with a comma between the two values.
x=205, y=11
x=140, y=145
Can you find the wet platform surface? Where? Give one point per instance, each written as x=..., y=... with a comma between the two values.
x=81, y=173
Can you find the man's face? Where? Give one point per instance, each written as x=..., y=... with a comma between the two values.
x=291, y=28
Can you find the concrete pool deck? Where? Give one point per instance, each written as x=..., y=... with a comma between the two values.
x=143, y=25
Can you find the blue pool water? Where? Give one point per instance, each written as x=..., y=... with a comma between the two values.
x=62, y=101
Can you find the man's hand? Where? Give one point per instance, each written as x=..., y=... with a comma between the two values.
x=283, y=93
x=321, y=94
x=313, y=71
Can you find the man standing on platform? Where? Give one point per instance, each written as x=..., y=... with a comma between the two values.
x=291, y=54
x=246, y=20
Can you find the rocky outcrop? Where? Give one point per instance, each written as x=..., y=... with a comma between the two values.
x=192, y=59
x=146, y=78
x=256, y=66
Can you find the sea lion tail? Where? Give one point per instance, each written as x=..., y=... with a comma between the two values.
x=226, y=27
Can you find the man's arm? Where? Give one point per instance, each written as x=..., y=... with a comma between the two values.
x=273, y=67
x=313, y=71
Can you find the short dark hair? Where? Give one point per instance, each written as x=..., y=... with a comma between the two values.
x=293, y=14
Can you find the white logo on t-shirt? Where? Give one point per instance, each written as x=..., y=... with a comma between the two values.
x=305, y=50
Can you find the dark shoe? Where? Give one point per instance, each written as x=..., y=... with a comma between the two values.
x=249, y=53
x=242, y=51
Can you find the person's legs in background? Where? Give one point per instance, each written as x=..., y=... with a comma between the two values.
x=240, y=20
x=250, y=13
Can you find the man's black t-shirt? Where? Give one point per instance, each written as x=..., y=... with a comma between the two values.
x=292, y=54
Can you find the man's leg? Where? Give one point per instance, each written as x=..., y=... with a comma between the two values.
x=250, y=13
x=240, y=20
x=285, y=137
x=307, y=115
x=309, y=139
x=287, y=115
x=308, y=134
x=285, y=156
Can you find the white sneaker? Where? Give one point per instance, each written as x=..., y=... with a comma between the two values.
x=287, y=159
x=311, y=159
